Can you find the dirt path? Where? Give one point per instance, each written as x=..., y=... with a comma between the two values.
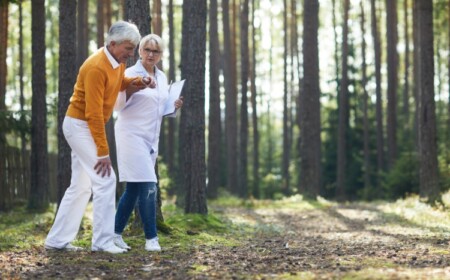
x=352, y=242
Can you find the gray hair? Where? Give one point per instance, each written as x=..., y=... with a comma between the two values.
x=152, y=37
x=123, y=31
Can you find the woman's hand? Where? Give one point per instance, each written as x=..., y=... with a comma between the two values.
x=179, y=102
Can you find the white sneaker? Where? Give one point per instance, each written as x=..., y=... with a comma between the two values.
x=118, y=241
x=110, y=248
x=68, y=247
x=152, y=245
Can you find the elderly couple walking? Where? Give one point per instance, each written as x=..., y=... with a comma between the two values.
x=138, y=94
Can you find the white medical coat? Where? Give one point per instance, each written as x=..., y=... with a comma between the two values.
x=138, y=126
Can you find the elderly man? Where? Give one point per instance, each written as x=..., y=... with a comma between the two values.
x=99, y=81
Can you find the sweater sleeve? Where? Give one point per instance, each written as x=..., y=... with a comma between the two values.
x=95, y=81
x=127, y=81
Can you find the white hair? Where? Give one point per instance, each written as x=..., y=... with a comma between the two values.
x=123, y=31
x=152, y=38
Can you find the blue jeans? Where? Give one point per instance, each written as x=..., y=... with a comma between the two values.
x=145, y=194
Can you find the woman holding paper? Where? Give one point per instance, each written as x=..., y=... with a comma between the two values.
x=137, y=129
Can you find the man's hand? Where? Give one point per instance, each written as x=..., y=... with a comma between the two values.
x=133, y=87
x=149, y=81
x=103, y=166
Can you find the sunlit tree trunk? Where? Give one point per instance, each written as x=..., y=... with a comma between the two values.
x=286, y=129
x=429, y=182
x=343, y=108
x=192, y=123
x=38, y=198
x=156, y=19
x=243, y=189
x=255, y=187
x=101, y=11
x=214, y=124
x=365, y=104
x=392, y=67
x=310, y=103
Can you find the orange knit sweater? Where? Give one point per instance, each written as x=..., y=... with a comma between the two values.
x=95, y=93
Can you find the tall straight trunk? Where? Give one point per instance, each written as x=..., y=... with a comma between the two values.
x=379, y=104
x=4, y=188
x=158, y=29
x=101, y=11
x=138, y=11
x=23, y=141
x=230, y=102
x=343, y=108
x=405, y=109
x=171, y=121
x=429, y=182
x=336, y=43
x=192, y=123
x=365, y=104
x=39, y=158
x=392, y=65
x=286, y=132
x=416, y=72
x=255, y=187
x=156, y=19
x=214, y=124
x=448, y=79
x=82, y=31
x=67, y=77
x=243, y=188
x=310, y=103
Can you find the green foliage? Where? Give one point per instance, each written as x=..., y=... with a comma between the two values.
x=21, y=229
x=270, y=186
x=403, y=178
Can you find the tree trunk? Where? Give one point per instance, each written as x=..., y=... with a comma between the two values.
x=215, y=133
x=171, y=162
x=379, y=104
x=406, y=109
x=429, y=182
x=39, y=158
x=230, y=103
x=392, y=61
x=343, y=108
x=286, y=129
x=67, y=78
x=310, y=103
x=243, y=189
x=192, y=123
x=4, y=188
x=138, y=12
x=366, y=140
x=255, y=188
x=82, y=32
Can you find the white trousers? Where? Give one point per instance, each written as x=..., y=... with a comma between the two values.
x=84, y=182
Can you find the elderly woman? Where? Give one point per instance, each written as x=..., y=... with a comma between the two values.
x=137, y=131
x=99, y=81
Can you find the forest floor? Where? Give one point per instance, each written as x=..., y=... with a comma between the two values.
x=285, y=239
